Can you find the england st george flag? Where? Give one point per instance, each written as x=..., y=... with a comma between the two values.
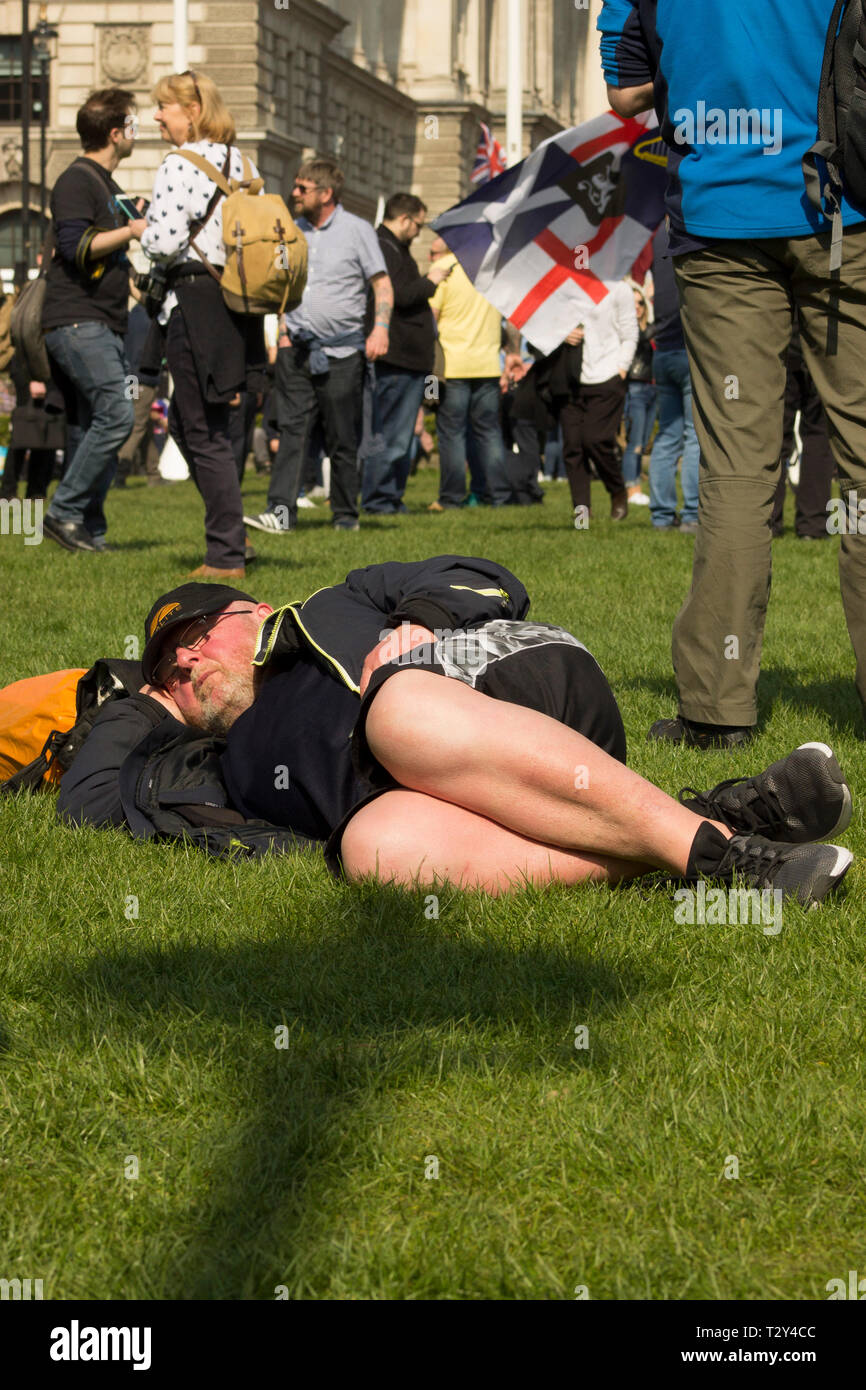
x=540, y=239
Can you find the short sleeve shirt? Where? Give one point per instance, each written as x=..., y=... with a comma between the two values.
x=343, y=254
x=470, y=328
x=85, y=196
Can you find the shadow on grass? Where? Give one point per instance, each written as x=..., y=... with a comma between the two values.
x=381, y=1003
x=834, y=700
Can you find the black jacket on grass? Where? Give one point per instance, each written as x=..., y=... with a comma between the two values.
x=139, y=766
x=342, y=624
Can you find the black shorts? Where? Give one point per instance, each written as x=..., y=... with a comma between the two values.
x=536, y=665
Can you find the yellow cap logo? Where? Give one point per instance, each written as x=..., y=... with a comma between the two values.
x=162, y=617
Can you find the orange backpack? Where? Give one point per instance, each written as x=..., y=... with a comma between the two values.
x=30, y=711
x=45, y=720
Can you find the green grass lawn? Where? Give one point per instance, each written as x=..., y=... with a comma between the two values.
x=411, y=1038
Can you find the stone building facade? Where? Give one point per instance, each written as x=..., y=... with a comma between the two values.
x=394, y=88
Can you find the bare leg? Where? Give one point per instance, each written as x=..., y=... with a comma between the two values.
x=525, y=771
x=408, y=838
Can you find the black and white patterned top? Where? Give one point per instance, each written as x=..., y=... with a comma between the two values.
x=181, y=194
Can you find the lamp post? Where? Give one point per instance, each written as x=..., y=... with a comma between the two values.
x=25, y=132
x=42, y=52
x=513, y=87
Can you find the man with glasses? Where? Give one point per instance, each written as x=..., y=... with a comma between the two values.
x=408, y=363
x=412, y=720
x=85, y=315
x=322, y=349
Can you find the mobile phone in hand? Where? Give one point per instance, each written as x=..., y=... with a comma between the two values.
x=129, y=206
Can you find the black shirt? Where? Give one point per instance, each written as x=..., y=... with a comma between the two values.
x=81, y=288
x=412, y=334
x=288, y=757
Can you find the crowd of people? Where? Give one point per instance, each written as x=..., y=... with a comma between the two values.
x=700, y=367
x=346, y=383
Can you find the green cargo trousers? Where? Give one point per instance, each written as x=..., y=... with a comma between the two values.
x=737, y=302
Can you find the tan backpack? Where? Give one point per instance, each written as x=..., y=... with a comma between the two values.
x=7, y=347
x=266, y=253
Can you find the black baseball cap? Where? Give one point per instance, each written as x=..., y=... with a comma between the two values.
x=181, y=605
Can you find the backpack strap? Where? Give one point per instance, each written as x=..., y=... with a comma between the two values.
x=212, y=172
x=223, y=188
x=826, y=147
x=253, y=186
x=29, y=778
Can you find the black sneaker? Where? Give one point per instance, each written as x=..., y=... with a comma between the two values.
x=70, y=534
x=798, y=799
x=805, y=872
x=694, y=735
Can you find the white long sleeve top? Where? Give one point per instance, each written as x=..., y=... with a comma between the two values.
x=610, y=334
x=181, y=194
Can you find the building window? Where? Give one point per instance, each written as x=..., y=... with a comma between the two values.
x=11, y=81
x=12, y=244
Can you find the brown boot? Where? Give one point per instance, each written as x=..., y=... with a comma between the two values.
x=619, y=505
x=211, y=572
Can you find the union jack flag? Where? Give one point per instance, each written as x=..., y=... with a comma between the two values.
x=540, y=240
x=489, y=157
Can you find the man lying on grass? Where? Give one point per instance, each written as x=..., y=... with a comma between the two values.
x=411, y=719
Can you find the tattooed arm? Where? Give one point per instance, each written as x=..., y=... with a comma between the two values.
x=383, y=292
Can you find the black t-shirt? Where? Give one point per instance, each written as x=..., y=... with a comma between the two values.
x=288, y=758
x=83, y=198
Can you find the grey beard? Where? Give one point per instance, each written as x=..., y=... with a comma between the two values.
x=221, y=707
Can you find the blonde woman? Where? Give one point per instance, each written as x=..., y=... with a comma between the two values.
x=640, y=403
x=210, y=350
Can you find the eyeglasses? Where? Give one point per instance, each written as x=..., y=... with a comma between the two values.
x=305, y=187
x=167, y=672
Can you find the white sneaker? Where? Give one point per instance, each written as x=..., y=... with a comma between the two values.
x=305, y=502
x=277, y=521
x=638, y=499
x=317, y=491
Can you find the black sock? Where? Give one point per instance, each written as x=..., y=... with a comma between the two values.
x=707, y=852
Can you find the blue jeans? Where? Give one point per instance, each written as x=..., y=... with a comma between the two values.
x=640, y=416
x=676, y=435
x=384, y=473
x=92, y=357
x=553, y=464
x=475, y=401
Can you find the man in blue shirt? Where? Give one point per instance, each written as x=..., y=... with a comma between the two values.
x=735, y=87
x=322, y=349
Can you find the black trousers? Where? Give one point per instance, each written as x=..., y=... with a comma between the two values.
x=201, y=432
x=817, y=464
x=40, y=468
x=522, y=468
x=589, y=429
x=336, y=398
x=242, y=422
